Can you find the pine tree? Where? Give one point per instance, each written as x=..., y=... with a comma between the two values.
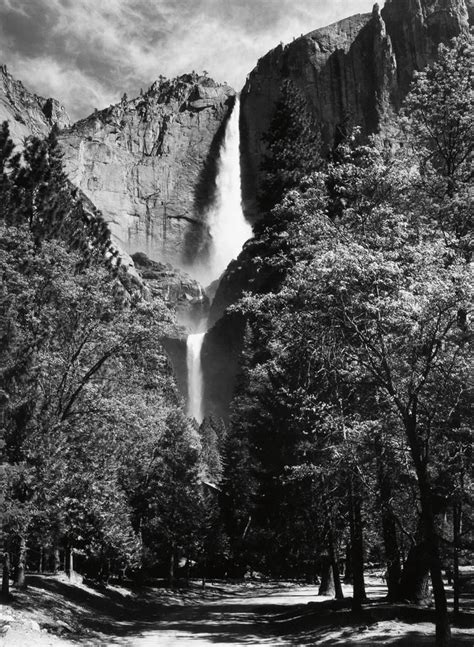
x=36, y=191
x=293, y=147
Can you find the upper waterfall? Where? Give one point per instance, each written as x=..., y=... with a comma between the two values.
x=228, y=228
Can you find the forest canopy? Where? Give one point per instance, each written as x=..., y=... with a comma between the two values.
x=351, y=418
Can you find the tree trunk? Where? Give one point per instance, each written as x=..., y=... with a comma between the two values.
x=46, y=559
x=6, y=576
x=339, y=595
x=389, y=532
x=348, y=567
x=327, y=577
x=70, y=562
x=188, y=571
x=330, y=581
x=357, y=546
x=456, y=533
x=20, y=581
x=414, y=583
x=56, y=560
x=40, y=560
x=172, y=562
x=443, y=631
x=392, y=556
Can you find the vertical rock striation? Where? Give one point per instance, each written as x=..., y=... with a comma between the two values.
x=357, y=70
x=148, y=164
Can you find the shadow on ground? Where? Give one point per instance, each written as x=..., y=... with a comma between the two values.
x=225, y=615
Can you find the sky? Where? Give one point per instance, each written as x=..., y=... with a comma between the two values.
x=87, y=53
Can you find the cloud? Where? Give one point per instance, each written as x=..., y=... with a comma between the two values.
x=86, y=53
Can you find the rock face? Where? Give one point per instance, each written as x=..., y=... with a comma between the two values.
x=149, y=164
x=27, y=113
x=179, y=291
x=357, y=70
x=184, y=297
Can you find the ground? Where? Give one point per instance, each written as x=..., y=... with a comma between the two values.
x=54, y=612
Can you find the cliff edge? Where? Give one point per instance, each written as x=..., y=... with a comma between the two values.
x=356, y=71
x=28, y=113
x=149, y=164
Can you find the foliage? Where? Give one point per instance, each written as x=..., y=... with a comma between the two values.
x=292, y=146
x=361, y=390
x=34, y=191
x=97, y=456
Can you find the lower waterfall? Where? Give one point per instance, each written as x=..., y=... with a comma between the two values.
x=228, y=230
x=195, y=381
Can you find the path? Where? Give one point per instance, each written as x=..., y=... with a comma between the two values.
x=242, y=619
x=56, y=613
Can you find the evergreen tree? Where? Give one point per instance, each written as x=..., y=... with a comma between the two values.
x=36, y=191
x=293, y=146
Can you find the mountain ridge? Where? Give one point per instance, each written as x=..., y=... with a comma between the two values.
x=28, y=113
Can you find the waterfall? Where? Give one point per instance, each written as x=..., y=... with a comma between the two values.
x=195, y=381
x=228, y=228
x=228, y=231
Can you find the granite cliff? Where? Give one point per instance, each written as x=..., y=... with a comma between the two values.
x=149, y=164
x=357, y=70
x=31, y=115
x=27, y=113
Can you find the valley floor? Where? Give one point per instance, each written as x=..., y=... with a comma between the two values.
x=56, y=613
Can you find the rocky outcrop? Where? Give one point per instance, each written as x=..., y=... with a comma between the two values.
x=27, y=113
x=357, y=71
x=182, y=294
x=149, y=164
x=415, y=28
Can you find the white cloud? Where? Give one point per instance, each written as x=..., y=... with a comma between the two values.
x=87, y=53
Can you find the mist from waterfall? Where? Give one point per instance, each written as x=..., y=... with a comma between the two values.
x=228, y=231
x=228, y=228
x=195, y=377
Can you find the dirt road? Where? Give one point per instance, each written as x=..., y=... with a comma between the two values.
x=56, y=613
x=248, y=617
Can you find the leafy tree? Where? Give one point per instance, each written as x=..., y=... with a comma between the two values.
x=76, y=355
x=212, y=437
x=173, y=494
x=369, y=329
x=438, y=115
x=438, y=130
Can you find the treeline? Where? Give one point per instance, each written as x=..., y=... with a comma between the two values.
x=99, y=468
x=350, y=437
